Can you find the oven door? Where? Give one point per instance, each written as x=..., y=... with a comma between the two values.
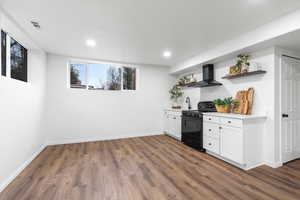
x=192, y=134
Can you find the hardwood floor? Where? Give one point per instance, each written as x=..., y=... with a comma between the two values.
x=155, y=167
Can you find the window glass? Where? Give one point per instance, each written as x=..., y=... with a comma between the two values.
x=18, y=61
x=3, y=53
x=104, y=77
x=78, y=75
x=129, y=78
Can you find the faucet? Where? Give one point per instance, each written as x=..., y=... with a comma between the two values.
x=188, y=101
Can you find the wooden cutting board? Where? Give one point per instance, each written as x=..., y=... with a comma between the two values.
x=250, y=98
x=245, y=99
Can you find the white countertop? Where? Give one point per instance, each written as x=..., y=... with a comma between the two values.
x=173, y=110
x=235, y=116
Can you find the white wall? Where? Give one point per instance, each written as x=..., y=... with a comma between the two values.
x=21, y=109
x=259, y=36
x=75, y=115
x=264, y=102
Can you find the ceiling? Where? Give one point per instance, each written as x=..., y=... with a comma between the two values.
x=138, y=31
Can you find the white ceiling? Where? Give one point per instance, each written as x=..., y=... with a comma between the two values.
x=138, y=31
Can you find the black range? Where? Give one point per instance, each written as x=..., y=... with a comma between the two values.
x=192, y=125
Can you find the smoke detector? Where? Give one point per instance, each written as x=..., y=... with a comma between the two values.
x=36, y=24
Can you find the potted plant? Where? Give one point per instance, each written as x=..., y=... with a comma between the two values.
x=175, y=95
x=243, y=63
x=224, y=106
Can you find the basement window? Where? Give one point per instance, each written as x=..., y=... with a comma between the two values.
x=13, y=58
x=18, y=61
x=101, y=76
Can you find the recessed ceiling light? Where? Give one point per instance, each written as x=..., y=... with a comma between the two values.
x=91, y=43
x=167, y=54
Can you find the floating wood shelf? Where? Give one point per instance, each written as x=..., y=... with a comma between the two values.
x=244, y=74
x=201, y=84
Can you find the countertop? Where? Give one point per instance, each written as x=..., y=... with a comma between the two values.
x=235, y=116
x=173, y=110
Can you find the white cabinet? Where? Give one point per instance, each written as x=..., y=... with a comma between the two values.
x=234, y=138
x=172, y=123
x=232, y=145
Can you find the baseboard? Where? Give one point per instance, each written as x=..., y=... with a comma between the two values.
x=273, y=164
x=254, y=166
x=100, y=138
x=21, y=168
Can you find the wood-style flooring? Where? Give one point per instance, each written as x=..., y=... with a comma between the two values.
x=156, y=167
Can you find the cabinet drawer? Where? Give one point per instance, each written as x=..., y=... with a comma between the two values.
x=211, y=144
x=211, y=130
x=207, y=118
x=231, y=122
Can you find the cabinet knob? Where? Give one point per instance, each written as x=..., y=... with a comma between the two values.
x=229, y=122
x=209, y=118
x=209, y=144
x=220, y=127
x=209, y=129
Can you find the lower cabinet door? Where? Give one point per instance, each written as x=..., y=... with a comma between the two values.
x=172, y=125
x=177, y=126
x=211, y=144
x=166, y=123
x=232, y=144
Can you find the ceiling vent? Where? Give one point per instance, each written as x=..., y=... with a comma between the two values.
x=36, y=24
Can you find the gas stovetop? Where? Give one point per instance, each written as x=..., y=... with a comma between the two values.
x=206, y=106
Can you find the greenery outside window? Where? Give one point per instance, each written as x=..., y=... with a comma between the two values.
x=98, y=76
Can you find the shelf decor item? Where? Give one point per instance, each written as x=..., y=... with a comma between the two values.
x=234, y=70
x=225, y=105
x=175, y=95
x=186, y=80
x=243, y=63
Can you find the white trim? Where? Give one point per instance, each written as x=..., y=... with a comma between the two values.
x=254, y=166
x=100, y=138
x=273, y=164
x=21, y=168
x=241, y=166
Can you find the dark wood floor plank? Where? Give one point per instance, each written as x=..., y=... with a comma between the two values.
x=146, y=168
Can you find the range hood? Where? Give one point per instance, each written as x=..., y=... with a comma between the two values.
x=208, y=77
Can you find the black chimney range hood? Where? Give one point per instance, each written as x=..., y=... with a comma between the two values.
x=208, y=78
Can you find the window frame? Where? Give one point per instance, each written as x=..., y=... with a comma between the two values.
x=8, y=57
x=86, y=62
x=26, y=59
x=3, y=75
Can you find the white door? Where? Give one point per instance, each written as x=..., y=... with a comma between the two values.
x=290, y=109
x=232, y=144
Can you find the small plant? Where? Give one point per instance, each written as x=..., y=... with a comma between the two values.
x=243, y=60
x=225, y=104
x=176, y=92
x=218, y=102
x=243, y=63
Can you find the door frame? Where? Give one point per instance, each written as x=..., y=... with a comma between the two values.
x=279, y=54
